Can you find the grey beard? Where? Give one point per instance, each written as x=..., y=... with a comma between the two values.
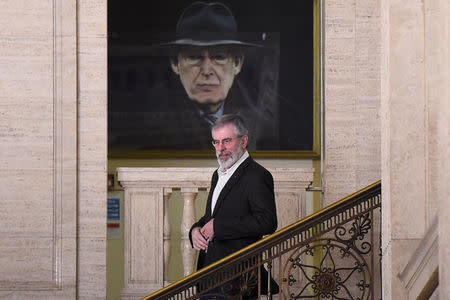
x=224, y=165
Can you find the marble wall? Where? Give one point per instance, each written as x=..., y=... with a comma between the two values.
x=386, y=103
x=92, y=148
x=414, y=140
x=38, y=140
x=53, y=149
x=351, y=58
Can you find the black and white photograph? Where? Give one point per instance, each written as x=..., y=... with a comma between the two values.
x=176, y=66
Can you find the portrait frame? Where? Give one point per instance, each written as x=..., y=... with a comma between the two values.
x=312, y=152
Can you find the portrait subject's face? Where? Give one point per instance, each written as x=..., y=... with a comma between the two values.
x=207, y=74
x=229, y=147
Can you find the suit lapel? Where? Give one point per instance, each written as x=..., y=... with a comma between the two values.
x=230, y=184
x=211, y=191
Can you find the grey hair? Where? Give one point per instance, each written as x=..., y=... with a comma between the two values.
x=240, y=126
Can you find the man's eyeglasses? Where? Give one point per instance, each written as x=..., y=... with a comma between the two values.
x=216, y=57
x=226, y=142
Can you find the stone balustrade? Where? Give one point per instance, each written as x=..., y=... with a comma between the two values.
x=147, y=229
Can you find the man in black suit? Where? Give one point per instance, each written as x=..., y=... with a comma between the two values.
x=241, y=204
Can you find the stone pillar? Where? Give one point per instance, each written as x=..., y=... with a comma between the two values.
x=92, y=146
x=39, y=151
x=403, y=139
x=439, y=15
x=144, y=240
x=415, y=80
x=187, y=252
x=352, y=96
x=166, y=234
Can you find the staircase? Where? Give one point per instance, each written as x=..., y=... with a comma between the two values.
x=332, y=254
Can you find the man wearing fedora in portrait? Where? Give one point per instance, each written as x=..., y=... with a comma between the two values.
x=180, y=78
x=206, y=55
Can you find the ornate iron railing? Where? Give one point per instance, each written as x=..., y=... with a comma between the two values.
x=332, y=254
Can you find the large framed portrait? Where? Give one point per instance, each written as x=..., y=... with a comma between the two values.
x=175, y=66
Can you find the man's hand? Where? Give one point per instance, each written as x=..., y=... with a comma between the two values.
x=208, y=230
x=198, y=240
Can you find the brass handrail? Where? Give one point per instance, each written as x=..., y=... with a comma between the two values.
x=430, y=286
x=314, y=224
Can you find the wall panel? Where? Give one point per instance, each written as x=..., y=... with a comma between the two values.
x=38, y=148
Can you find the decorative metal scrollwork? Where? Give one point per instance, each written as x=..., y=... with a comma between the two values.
x=359, y=228
x=248, y=283
x=332, y=268
x=243, y=286
x=334, y=277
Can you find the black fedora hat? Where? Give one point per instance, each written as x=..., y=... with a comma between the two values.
x=207, y=24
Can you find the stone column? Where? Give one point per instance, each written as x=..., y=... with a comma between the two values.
x=352, y=97
x=143, y=238
x=439, y=15
x=414, y=134
x=44, y=168
x=187, y=252
x=92, y=140
x=166, y=234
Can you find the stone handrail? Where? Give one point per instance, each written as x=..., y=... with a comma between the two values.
x=147, y=230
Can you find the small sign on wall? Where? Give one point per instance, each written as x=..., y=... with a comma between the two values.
x=113, y=212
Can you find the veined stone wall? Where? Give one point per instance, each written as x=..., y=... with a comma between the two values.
x=53, y=149
x=351, y=57
x=415, y=141
x=92, y=148
x=386, y=80
x=38, y=149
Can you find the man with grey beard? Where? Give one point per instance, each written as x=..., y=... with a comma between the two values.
x=241, y=204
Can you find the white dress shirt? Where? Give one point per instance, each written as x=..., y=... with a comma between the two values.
x=224, y=176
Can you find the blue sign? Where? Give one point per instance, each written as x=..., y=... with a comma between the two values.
x=113, y=209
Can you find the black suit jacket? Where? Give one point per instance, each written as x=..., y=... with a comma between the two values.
x=244, y=212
